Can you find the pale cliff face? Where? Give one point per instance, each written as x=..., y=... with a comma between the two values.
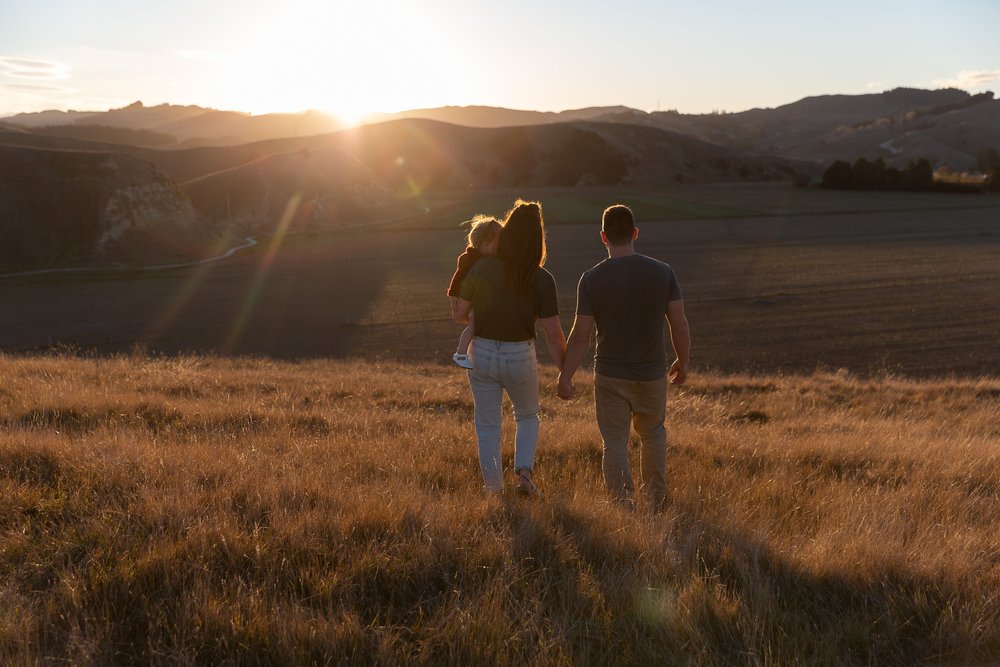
x=148, y=207
x=63, y=208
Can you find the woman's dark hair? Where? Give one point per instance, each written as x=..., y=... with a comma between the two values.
x=522, y=244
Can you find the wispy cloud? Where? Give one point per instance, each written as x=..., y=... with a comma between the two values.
x=39, y=88
x=970, y=79
x=33, y=70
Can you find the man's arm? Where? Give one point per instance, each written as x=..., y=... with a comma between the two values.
x=680, y=338
x=579, y=341
x=555, y=339
x=461, y=311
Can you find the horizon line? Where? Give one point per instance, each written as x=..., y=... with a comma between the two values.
x=365, y=117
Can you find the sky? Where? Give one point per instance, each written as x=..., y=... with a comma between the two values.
x=350, y=58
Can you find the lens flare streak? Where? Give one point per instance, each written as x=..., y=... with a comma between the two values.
x=267, y=261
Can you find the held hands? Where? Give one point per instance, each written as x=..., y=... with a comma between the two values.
x=566, y=389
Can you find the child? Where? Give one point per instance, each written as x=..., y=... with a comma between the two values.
x=483, y=239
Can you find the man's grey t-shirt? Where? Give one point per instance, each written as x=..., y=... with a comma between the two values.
x=627, y=298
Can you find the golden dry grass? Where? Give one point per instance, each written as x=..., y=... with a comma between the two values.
x=202, y=510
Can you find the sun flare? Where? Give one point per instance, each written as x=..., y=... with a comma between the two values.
x=348, y=59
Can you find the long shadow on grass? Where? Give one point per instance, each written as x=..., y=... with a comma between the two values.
x=723, y=598
x=584, y=585
x=755, y=606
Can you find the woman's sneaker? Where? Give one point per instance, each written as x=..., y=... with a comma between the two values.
x=462, y=360
x=525, y=485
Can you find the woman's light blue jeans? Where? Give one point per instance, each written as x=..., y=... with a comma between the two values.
x=500, y=366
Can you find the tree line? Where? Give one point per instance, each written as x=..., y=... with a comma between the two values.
x=916, y=176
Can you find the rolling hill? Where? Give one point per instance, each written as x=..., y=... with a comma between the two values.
x=216, y=174
x=947, y=127
x=368, y=173
x=85, y=208
x=484, y=116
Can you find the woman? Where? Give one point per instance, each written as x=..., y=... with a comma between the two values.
x=508, y=293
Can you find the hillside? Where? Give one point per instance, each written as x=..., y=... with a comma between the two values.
x=948, y=136
x=948, y=127
x=297, y=191
x=206, y=510
x=484, y=116
x=75, y=208
x=187, y=125
x=441, y=155
x=383, y=171
x=899, y=126
x=369, y=173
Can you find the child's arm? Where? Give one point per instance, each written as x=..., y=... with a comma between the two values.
x=463, y=313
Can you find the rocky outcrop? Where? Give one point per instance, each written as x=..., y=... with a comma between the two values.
x=90, y=208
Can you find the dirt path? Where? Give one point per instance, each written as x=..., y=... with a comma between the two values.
x=250, y=242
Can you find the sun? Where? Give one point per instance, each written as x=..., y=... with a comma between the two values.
x=348, y=59
x=349, y=117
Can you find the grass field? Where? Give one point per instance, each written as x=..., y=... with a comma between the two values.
x=200, y=510
x=776, y=279
x=691, y=202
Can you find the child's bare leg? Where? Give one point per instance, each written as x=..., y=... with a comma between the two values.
x=464, y=342
x=466, y=338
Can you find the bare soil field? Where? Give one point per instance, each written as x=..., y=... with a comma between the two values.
x=775, y=280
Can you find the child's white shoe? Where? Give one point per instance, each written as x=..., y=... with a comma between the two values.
x=462, y=360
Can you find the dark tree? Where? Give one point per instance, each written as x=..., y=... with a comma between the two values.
x=987, y=160
x=992, y=183
x=838, y=176
x=894, y=179
x=869, y=175
x=919, y=175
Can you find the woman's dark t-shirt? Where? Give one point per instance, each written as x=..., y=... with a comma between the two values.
x=501, y=313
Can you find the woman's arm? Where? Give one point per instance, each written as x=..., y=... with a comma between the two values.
x=555, y=339
x=579, y=343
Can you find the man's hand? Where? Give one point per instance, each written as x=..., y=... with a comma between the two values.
x=576, y=347
x=677, y=373
x=567, y=389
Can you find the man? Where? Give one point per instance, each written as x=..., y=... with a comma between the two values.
x=627, y=296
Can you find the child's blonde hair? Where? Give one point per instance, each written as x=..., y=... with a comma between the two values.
x=484, y=229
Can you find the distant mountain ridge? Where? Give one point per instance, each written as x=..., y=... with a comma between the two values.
x=948, y=127
x=910, y=124
x=189, y=125
x=485, y=116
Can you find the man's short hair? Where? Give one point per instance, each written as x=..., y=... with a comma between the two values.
x=618, y=224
